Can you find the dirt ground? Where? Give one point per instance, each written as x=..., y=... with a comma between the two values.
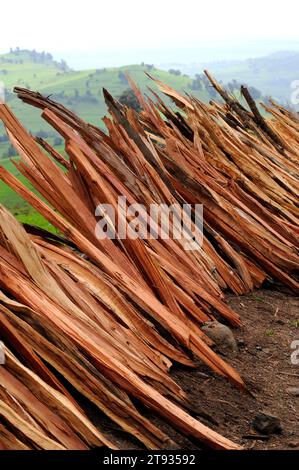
x=270, y=325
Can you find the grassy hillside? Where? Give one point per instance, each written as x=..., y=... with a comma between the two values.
x=21, y=209
x=80, y=91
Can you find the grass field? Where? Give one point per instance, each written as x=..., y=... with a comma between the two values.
x=12, y=201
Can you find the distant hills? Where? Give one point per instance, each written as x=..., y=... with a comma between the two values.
x=272, y=74
x=80, y=91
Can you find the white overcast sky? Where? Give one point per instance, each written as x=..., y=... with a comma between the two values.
x=61, y=26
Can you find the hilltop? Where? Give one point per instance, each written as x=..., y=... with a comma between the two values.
x=80, y=91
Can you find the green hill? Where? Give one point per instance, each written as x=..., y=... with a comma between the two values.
x=20, y=208
x=80, y=91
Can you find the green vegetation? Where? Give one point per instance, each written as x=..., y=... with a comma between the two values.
x=80, y=91
x=270, y=333
x=20, y=208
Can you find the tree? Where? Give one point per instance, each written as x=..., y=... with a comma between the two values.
x=255, y=93
x=196, y=84
x=212, y=92
x=3, y=138
x=11, y=151
x=57, y=141
x=122, y=77
x=231, y=87
x=175, y=72
x=42, y=134
x=63, y=65
x=128, y=98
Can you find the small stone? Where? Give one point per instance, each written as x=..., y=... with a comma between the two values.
x=259, y=348
x=241, y=343
x=293, y=444
x=222, y=336
x=267, y=424
x=293, y=391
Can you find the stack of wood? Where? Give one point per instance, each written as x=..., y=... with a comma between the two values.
x=111, y=316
